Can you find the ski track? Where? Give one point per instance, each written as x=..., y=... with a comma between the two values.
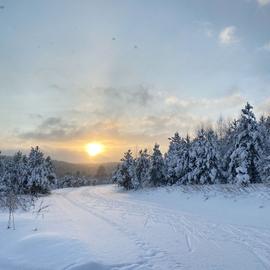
x=102, y=228
x=192, y=229
x=150, y=252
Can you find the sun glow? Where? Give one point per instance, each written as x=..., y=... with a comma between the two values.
x=94, y=149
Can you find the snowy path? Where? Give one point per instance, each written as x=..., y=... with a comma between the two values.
x=101, y=228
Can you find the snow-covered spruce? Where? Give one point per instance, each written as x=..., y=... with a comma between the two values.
x=204, y=162
x=142, y=169
x=40, y=172
x=157, y=175
x=176, y=159
x=125, y=174
x=247, y=150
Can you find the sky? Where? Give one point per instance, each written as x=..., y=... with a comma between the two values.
x=126, y=74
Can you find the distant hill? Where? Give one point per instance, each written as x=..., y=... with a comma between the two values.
x=63, y=168
x=88, y=170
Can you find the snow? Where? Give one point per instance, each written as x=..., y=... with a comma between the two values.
x=103, y=227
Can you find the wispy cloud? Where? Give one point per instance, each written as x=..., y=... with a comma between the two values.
x=52, y=128
x=263, y=2
x=228, y=35
x=266, y=46
x=121, y=119
x=264, y=108
x=137, y=111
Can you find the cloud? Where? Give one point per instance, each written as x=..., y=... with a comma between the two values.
x=228, y=35
x=266, y=46
x=263, y=2
x=264, y=107
x=123, y=118
x=134, y=96
x=137, y=112
x=51, y=122
x=229, y=101
x=52, y=128
x=98, y=112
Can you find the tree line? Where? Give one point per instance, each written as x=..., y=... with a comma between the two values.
x=237, y=152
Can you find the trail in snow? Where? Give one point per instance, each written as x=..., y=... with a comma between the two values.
x=102, y=228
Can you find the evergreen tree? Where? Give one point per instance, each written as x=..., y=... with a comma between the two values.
x=2, y=172
x=204, y=167
x=213, y=158
x=182, y=169
x=265, y=170
x=40, y=172
x=142, y=164
x=13, y=186
x=15, y=174
x=264, y=125
x=227, y=148
x=115, y=174
x=125, y=174
x=172, y=158
x=49, y=171
x=157, y=168
x=247, y=150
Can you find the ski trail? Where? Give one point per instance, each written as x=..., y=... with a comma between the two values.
x=188, y=243
x=257, y=243
x=150, y=253
x=168, y=237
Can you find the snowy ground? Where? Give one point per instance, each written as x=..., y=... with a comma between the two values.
x=101, y=227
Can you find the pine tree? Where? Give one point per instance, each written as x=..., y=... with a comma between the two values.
x=172, y=158
x=142, y=165
x=125, y=174
x=247, y=150
x=115, y=174
x=49, y=172
x=182, y=169
x=14, y=188
x=265, y=170
x=213, y=158
x=204, y=167
x=12, y=177
x=2, y=172
x=227, y=148
x=157, y=168
x=40, y=172
x=264, y=125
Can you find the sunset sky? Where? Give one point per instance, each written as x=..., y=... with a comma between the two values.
x=126, y=74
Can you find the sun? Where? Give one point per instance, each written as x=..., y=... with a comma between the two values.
x=94, y=149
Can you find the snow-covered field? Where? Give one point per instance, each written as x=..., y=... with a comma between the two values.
x=167, y=228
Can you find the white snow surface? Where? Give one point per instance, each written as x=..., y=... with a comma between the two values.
x=103, y=227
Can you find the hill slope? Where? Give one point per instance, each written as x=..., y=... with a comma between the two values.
x=63, y=168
